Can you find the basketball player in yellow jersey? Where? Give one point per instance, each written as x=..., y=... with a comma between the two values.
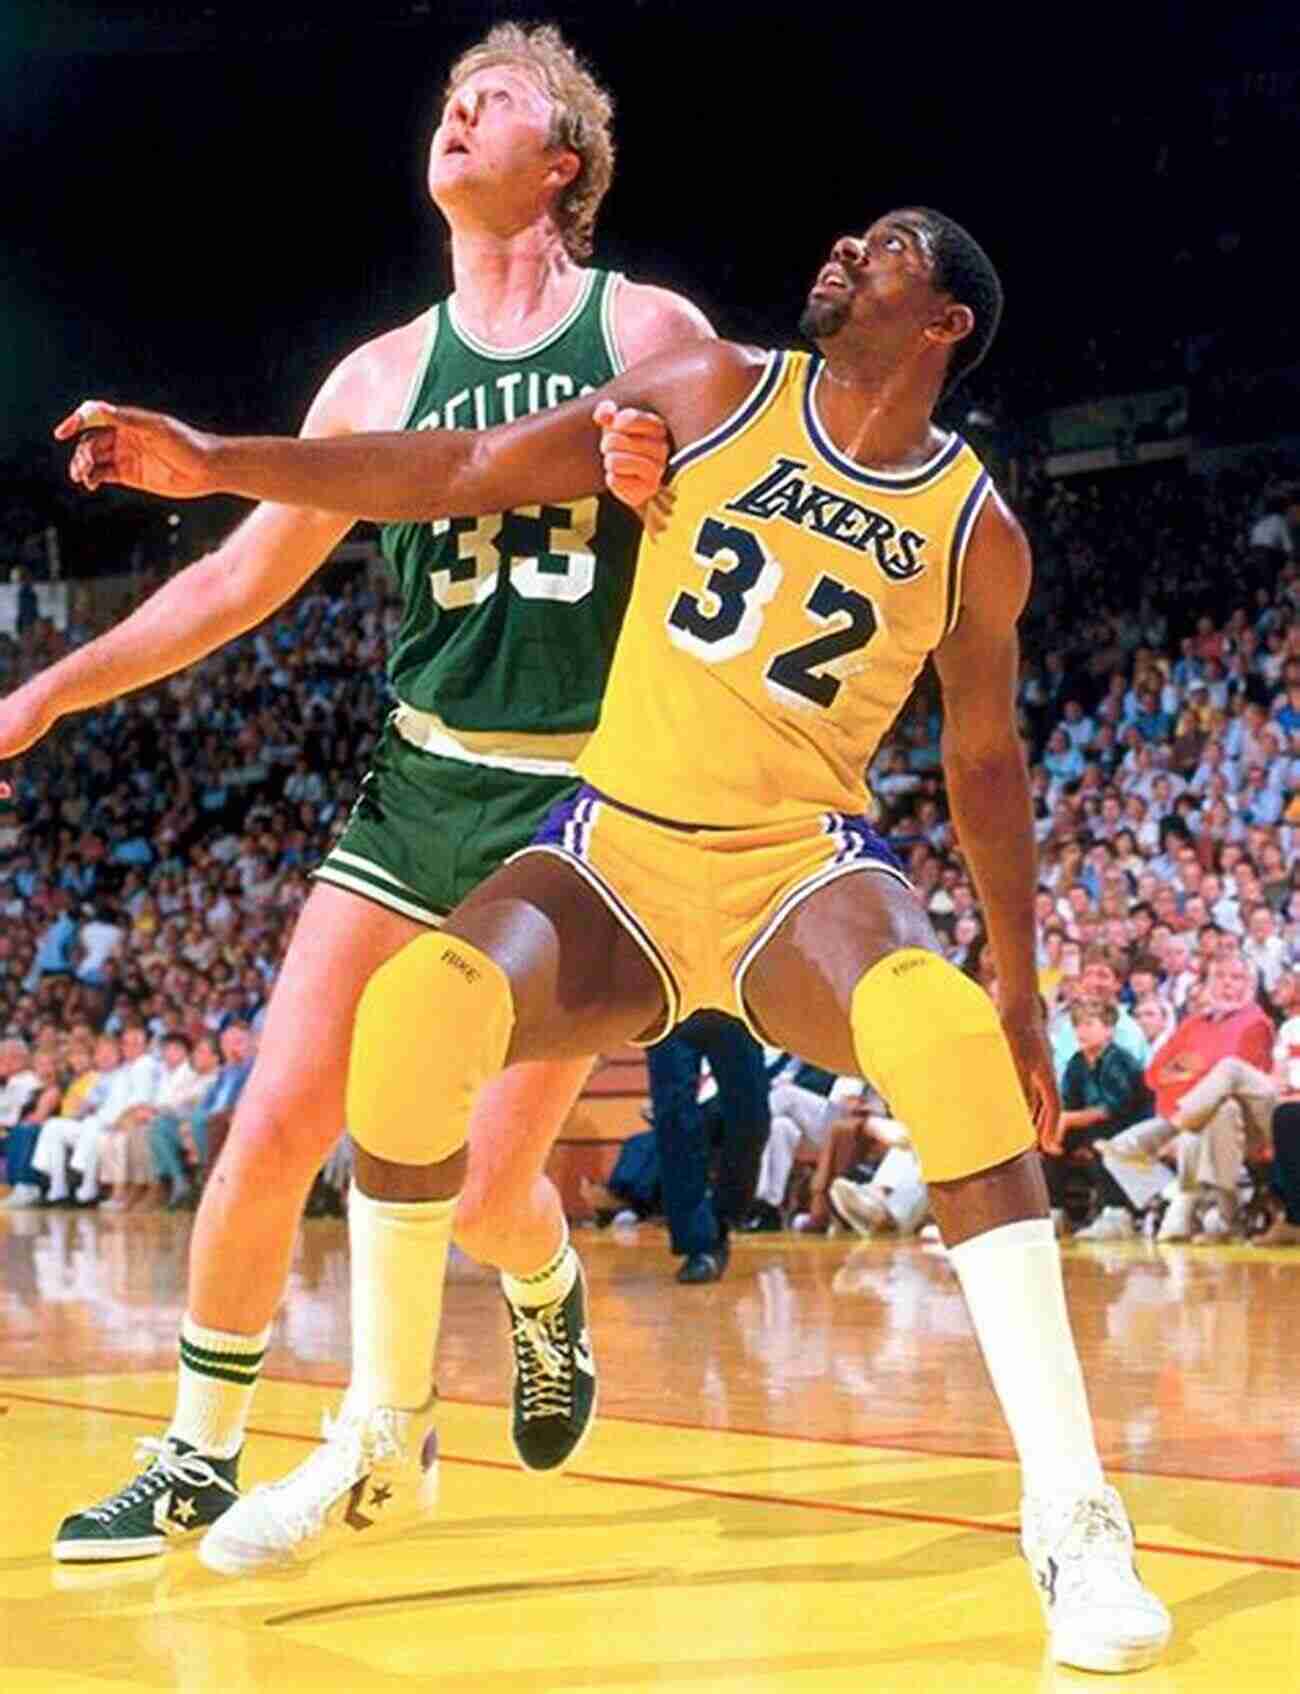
x=826, y=539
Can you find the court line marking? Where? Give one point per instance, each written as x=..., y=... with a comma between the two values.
x=1285, y=1479
x=1266, y=1479
x=843, y=1508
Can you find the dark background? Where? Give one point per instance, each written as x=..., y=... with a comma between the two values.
x=203, y=207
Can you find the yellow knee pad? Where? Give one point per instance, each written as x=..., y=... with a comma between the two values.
x=929, y=1039
x=432, y=1027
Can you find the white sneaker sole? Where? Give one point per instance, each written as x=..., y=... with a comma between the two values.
x=239, y=1558
x=1083, y=1651
x=105, y=1552
x=226, y=1554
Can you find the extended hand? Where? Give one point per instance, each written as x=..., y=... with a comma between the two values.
x=634, y=446
x=138, y=449
x=1032, y=1055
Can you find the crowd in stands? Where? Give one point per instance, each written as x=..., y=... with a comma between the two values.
x=156, y=853
x=153, y=859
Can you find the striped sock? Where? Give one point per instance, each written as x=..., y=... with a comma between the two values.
x=547, y=1285
x=218, y=1373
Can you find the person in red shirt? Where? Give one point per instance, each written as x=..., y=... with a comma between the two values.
x=1207, y=1083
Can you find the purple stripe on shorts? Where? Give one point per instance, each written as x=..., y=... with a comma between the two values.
x=858, y=840
x=566, y=825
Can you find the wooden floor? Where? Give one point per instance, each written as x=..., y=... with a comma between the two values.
x=799, y=1480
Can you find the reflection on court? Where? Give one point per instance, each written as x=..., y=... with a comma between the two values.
x=798, y=1482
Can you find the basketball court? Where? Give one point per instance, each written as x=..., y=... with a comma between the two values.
x=798, y=1479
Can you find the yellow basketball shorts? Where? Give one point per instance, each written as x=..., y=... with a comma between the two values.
x=702, y=903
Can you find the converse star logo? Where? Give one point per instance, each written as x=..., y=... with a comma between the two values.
x=165, y=1520
x=184, y=1511
x=582, y=1354
x=354, y=1517
x=1047, y=1580
x=381, y=1495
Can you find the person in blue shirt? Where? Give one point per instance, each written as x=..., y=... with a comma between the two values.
x=1099, y=980
x=175, y=1143
x=57, y=943
x=1062, y=760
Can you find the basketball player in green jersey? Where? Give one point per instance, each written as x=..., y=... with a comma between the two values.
x=508, y=626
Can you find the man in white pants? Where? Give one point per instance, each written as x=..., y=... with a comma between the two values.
x=805, y=1101
x=59, y=1135
x=1206, y=1122
x=134, y=1082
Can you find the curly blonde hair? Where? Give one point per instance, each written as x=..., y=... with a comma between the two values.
x=584, y=112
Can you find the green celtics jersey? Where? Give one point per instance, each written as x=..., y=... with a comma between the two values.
x=509, y=621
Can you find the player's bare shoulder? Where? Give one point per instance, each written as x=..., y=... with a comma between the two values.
x=366, y=390
x=999, y=564
x=647, y=320
x=693, y=387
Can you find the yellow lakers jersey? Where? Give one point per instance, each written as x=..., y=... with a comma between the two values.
x=777, y=624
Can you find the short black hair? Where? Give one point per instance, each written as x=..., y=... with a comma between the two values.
x=963, y=269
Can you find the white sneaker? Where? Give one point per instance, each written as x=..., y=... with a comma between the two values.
x=859, y=1206
x=1099, y=1615
x=21, y=1195
x=1179, y=1221
x=1113, y=1223
x=1214, y=1228
x=373, y=1477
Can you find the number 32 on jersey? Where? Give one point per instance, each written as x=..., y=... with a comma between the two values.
x=727, y=618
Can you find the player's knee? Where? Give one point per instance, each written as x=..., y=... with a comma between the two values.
x=930, y=1040
x=433, y=1025
x=283, y=1134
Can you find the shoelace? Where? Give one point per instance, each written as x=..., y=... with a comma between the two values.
x=1095, y=1553
x=545, y=1367
x=167, y=1469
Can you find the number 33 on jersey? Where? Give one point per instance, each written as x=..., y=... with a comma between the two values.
x=778, y=622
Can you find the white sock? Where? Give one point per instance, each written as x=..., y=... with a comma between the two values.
x=1011, y=1278
x=399, y=1263
x=545, y=1286
x=218, y=1373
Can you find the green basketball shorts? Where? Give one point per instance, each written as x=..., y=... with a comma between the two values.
x=425, y=829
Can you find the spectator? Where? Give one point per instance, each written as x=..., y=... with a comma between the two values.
x=1263, y=947
x=1156, y=1019
x=804, y=1101
x=18, y=1081
x=1102, y=1093
x=700, y=1218
x=125, y=1158
x=56, y=943
x=1100, y=979
x=178, y=1134
x=1284, y=1231
x=41, y=1103
x=894, y=1200
x=1208, y=1150
x=59, y=1134
x=100, y=941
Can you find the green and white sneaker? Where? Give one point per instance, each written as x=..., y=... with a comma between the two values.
x=176, y=1497
x=555, y=1379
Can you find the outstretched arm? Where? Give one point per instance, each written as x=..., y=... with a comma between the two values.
x=548, y=458
x=988, y=787
x=256, y=569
